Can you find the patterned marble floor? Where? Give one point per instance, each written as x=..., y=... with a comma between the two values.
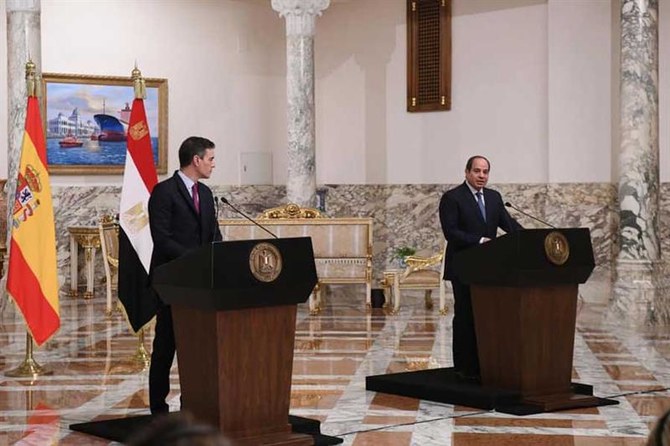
x=95, y=378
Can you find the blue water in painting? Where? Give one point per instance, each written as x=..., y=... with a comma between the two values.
x=92, y=153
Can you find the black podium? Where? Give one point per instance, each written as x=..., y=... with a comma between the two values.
x=524, y=289
x=234, y=313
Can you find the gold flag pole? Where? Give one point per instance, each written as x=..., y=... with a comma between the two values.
x=141, y=356
x=29, y=368
x=139, y=86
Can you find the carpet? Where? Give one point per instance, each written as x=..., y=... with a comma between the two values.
x=442, y=386
x=121, y=429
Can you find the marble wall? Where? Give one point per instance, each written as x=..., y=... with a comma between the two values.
x=404, y=215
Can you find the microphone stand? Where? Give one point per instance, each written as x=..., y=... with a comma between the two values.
x=225, y=201
x=509, y=205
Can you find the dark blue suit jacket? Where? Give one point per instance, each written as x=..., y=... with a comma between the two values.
x=176, y=227
x=463, y=225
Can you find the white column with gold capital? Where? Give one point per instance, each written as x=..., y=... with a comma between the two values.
x=23, y=43
x=300, y=18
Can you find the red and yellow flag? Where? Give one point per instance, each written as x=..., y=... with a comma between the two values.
x=32, y=279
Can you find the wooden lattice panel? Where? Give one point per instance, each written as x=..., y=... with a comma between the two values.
x=428, y=55
x=428, y=48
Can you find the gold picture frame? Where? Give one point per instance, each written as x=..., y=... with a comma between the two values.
x=85, y=119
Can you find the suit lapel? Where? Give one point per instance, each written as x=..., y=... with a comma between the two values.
x=489, y=205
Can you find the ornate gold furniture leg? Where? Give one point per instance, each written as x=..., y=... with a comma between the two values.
x=443, y=297
x=428, y=299
x=396, y=293
x=387, y=285
x=109, y=245
x=74, y=265
x=89, y=239
x=443, y=287
x=368, y=275
x=315, y=300
x=89, y=254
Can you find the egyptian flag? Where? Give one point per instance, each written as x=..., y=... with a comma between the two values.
x=32, y=279
x=135, y=243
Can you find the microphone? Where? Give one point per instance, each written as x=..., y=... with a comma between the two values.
x=225, y=201
x=509, y=205
x=216, y=205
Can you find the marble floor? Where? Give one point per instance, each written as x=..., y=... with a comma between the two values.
x=95, y=377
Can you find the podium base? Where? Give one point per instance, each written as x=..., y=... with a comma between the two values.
x=280, y=439
x=551, y=403
x=122, y=429
x=443, y=386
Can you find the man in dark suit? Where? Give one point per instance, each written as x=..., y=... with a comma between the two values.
x=470, y=214
x=182, y=218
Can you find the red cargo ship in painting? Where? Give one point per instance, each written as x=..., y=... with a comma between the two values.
x=111, y=128
x=70, y=141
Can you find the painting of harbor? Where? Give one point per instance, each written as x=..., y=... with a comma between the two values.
x=86, y=123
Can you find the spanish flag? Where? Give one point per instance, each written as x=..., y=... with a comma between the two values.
x=32, y=279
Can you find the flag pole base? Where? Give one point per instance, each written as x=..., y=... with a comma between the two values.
x=141, y=357
x=29, y=368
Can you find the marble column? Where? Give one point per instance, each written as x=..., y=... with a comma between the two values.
x=300, y=18
x=23, y=43
x=638, y=267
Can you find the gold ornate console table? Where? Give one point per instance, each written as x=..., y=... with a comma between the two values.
x=88, y=237
x=342, y=246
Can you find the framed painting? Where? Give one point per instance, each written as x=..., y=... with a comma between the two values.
x=86, y=122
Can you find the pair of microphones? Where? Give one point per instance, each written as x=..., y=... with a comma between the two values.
x=225, y=201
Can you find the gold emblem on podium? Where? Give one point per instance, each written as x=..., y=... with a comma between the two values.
x=557, y=248
x=265, y=262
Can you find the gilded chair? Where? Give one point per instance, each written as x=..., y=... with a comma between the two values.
x=423, y=272
x=109, y=244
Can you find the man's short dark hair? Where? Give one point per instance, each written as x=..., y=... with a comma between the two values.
x=192, y=146
x=468, y=165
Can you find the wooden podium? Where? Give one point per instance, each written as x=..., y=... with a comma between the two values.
x=234, y=330
x=524, y=299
